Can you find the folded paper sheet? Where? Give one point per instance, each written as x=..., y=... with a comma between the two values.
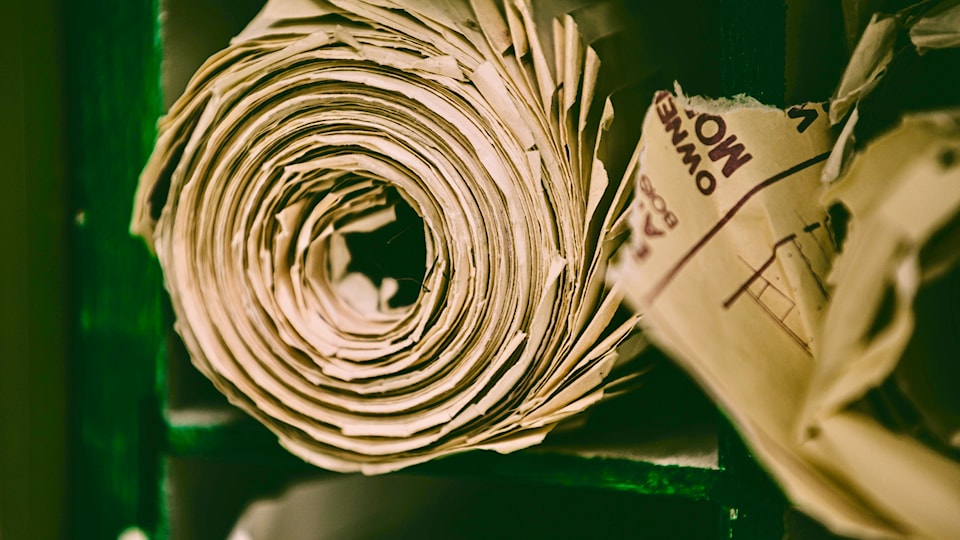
x=474, y=134
x=729, y=258
x=732, y=263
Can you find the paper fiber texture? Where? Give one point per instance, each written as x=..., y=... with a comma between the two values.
x=730, y=249
x=732, y=265
x=728, y=263
x=483, y=128
x=818, y=358
x=883, y=412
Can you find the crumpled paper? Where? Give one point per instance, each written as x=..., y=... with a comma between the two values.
x=783, y=269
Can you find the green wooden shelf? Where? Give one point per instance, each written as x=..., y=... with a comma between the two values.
x=719, y=471
x=238, y=437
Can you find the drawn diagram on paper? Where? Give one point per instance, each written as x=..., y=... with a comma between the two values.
x=775, y=302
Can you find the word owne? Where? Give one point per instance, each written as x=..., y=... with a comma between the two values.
x=711, y=132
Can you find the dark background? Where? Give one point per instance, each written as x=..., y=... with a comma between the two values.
x=33, y=252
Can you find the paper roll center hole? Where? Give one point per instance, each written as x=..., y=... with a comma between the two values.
x=395, y=251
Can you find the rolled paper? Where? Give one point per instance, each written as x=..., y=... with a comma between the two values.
x=385, y=226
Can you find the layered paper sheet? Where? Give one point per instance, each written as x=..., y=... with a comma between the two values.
x=475, y=133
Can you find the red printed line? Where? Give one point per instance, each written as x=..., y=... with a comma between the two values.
x=759, y=272
x=658, y=288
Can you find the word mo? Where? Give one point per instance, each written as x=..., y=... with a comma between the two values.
x=711, y=132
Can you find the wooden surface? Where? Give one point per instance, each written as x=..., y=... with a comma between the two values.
x=113, y=100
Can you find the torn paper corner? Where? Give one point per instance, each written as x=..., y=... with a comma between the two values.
x=717, y=105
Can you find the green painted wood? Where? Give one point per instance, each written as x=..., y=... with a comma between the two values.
x=751, y=506
x=542, y=466
x=162, y=493
x=113, y=101
x=244, y=438
x=752, y=51
x=247, y=439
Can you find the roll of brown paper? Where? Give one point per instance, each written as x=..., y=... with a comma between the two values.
x=385, y=226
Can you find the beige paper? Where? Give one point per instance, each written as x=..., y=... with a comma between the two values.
x=938, y=29
x=732, y=265
x=901, y=191
x=325, y=122
x=728, y=263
